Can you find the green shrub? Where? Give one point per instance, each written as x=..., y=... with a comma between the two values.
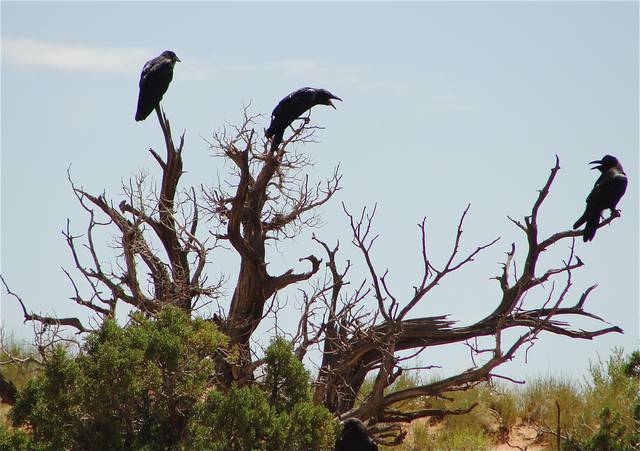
x=243, y=419
x=286, y=379
x=148, y=386
x=15, y=440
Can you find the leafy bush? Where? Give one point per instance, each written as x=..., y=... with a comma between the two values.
x=275, y=414
x=149, y=386
x=244, y=419
x=15, y=440
x=286, y=379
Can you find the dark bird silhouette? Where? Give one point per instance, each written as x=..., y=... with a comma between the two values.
x=154, y=81
x=8, y=391
x=292, y=107
x=605, y=194
x=354, y=437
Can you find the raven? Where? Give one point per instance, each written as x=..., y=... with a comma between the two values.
x=354, y=437
x=154, y=81
x=605, y=194
x=291, y=107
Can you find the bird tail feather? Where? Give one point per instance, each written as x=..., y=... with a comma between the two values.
x=591, y=227
x=580, y=221
x=143, y=111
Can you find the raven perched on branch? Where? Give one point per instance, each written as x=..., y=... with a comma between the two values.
x=154, y=81
x=291, y=108
x=354, y=437
x=606, y=193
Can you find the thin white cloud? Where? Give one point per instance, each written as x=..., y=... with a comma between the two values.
x=35, y=52
x=31, y=52
x=201, y=69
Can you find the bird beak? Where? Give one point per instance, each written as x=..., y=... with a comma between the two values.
x=598, y=162
x=178, y=59
x=331, y=103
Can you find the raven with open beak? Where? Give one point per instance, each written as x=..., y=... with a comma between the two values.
x=292, y=107
x=606, y=194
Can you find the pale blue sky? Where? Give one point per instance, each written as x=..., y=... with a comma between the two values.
x=444, y=104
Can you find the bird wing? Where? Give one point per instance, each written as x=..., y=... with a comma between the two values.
x=607, y=190
x=299, y=100
x=154, y=82
x=154, y=66
x=289, y=109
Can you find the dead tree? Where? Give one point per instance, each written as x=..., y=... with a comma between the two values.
x=357, y=342
x=267, y=197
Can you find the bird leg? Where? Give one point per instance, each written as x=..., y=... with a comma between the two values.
x=305, y=119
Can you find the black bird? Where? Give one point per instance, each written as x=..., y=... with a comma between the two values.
x=292, y=107
x=354, y=437
x=154, y=81
x=605, y=194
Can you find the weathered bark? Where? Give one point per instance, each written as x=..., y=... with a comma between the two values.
x=260, y=208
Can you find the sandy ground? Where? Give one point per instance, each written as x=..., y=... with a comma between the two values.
x=521, y=437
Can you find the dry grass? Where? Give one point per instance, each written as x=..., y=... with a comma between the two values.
x=525, y=417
